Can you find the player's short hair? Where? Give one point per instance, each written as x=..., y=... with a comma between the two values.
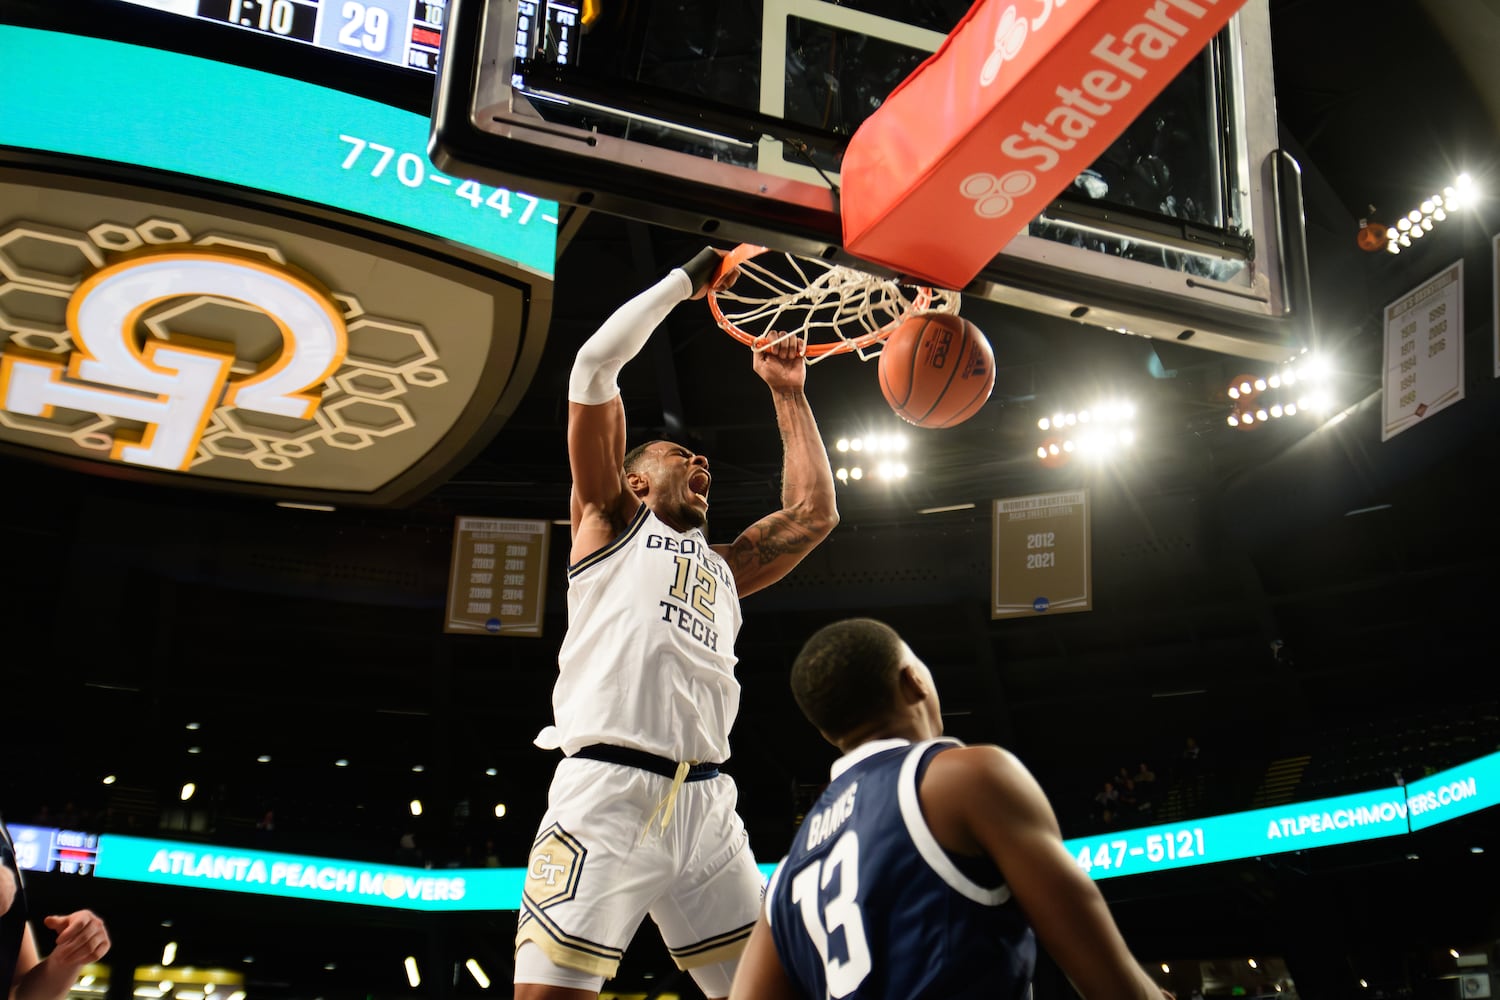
x=846, y=674
x=633, y=456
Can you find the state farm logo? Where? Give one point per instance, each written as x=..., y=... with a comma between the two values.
x=995, y=196
x=1088, y=94
x=1010, y=37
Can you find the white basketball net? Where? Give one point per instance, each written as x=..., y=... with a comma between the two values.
x=833, y=308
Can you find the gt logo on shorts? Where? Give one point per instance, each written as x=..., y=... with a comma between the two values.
x=556, y=862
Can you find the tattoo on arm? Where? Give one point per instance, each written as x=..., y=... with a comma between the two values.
x=767, y=540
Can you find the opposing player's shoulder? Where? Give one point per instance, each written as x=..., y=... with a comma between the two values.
x=959, y=784
x=983, y=768
x=977, y=757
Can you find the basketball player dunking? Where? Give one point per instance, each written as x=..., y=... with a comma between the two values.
x=639, y=819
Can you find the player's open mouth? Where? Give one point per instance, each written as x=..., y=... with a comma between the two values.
x=698, y=483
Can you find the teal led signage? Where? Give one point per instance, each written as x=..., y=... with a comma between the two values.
x=1294, y=827
x=127, y=104
x=1455, y=792
x=203, y=866
x=233, y=869
x=1299, y=826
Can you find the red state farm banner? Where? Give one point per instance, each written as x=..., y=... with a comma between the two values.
x=1022, y=96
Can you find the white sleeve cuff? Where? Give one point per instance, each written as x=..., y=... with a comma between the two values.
x=621, y=337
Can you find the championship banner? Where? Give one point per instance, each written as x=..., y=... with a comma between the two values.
x=1041, y=558
x=1022, y=96
x=497, y=582
x=1424, y=351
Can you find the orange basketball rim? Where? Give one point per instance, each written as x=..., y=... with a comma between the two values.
x=760, y=297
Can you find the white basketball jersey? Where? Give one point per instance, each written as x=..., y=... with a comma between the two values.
x=648, y=660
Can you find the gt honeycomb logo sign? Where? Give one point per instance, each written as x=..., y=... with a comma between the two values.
x=151, y=346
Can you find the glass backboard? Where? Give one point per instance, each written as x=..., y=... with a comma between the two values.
x=731, y=119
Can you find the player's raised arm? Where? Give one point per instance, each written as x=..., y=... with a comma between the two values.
x=981, y=799
x=601, y=504
x=768, y=549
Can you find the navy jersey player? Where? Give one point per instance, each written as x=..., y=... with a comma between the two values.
x=639, y=819
x=927, y=868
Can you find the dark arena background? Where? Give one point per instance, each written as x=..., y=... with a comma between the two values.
x=1288, y=621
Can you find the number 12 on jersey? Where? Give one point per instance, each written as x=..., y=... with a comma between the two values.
x=825, y=917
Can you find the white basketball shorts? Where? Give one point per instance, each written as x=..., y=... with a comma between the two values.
x=596, y=869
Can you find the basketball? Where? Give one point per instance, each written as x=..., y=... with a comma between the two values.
x=936, y=369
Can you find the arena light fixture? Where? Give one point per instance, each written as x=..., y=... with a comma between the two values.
x=1097, y=431
x=1300, y=385
x=413, y=974
x=874, y=456
x=1423, y=219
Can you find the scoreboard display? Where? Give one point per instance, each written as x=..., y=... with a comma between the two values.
x=48, y=849
x=399, y=32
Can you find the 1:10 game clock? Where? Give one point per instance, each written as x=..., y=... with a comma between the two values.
x=288, y=18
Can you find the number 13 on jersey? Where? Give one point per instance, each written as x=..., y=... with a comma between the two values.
x=826, y=916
